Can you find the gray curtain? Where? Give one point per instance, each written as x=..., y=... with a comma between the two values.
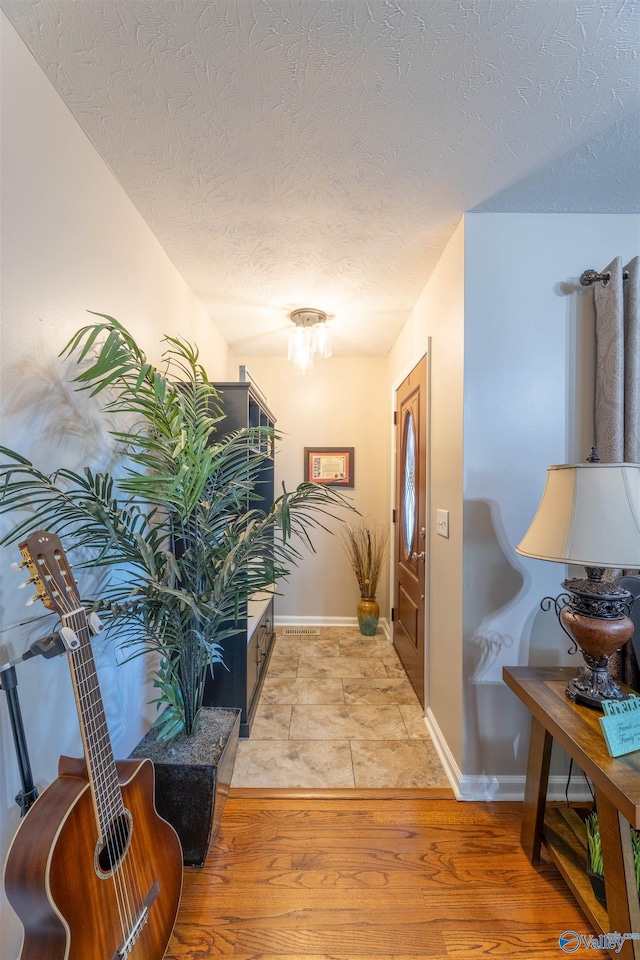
x=617, y=413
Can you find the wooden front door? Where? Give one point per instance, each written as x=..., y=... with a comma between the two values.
x=411, y=525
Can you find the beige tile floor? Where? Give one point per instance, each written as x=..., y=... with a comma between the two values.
x=337, y=711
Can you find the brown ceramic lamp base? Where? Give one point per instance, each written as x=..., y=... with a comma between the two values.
x=598, y=634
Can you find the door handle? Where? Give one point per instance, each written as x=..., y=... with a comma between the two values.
x=417, y=556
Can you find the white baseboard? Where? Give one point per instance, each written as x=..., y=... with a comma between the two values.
x=447, y=759
x=512, y=788
x=500, y=788
x=296, y=621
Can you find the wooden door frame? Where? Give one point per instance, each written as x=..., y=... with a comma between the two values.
x=402, y=376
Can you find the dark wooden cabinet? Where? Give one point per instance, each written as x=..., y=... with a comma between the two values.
x=247, y=651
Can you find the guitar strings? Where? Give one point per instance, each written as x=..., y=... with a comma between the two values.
x=80, y=677
x=112, y=820
x=108, y=804
x=120, y=837
x=108, y=798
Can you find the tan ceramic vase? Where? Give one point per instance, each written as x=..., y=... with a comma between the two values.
x=368, y=613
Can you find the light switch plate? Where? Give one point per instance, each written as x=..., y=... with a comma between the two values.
x=442, y=523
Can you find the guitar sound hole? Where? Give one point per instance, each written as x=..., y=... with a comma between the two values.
x=110, y=853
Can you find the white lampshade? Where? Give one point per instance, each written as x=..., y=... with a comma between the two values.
x=589, y=514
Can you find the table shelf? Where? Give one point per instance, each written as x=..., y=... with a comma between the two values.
x=616, y=784
x=565, y=839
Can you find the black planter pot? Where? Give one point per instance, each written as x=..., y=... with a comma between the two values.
x=597, y=885
x=192, y=776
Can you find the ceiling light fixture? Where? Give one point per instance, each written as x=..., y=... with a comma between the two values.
x=309, y=337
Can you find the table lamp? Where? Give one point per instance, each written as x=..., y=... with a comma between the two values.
x=590, y=515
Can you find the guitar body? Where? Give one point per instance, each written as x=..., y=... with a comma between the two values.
x=68, y=911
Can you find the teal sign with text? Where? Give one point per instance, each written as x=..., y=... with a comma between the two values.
x=621, y=725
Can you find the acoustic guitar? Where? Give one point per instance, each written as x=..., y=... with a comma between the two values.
x=93, y=872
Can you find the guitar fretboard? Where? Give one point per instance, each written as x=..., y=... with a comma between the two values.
x=103, y=775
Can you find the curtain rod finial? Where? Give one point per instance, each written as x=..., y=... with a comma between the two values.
x=589, y=277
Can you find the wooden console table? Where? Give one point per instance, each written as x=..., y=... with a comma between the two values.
x=617, y=793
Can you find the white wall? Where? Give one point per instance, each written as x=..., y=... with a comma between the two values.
x=71, y=241
x=511, y=338
x=528, y=396
x=437, y=322
x=343, y=401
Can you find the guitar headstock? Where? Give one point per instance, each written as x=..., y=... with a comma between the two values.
x=50, y=571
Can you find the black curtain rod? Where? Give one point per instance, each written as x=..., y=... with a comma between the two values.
x=592, y=276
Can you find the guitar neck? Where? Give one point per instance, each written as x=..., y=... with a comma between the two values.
x=101, y=766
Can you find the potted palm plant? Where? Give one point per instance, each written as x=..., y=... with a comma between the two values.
x=173, y=525
x=365, y=547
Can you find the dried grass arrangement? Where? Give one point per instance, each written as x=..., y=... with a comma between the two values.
x=365, y=547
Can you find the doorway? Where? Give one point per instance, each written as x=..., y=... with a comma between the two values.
x=410, y=529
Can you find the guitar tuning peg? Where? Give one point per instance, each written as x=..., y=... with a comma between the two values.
x=32, y=600
x=17, y=566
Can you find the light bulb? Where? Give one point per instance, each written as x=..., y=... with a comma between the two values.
x=321, y=340
x=300, y=347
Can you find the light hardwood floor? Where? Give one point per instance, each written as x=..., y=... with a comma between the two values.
x=305, y=867
x=362, y=879
x=337, y=711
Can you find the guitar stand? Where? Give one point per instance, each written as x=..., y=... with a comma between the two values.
x=29, y=792
x=48, y=647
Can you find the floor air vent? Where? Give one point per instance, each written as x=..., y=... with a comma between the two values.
x=299, y=632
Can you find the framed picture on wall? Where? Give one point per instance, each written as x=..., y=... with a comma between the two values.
x=333, y=466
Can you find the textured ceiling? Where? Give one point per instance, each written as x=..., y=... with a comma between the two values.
x=292, y=153
x=600, y=176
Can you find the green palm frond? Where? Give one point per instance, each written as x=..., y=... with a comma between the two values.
x=178, y=526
